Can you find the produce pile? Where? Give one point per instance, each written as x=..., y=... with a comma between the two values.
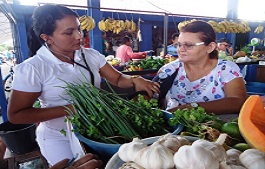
x=199, y=124
x=152, y=62
x=177, y=152
x=106, y=117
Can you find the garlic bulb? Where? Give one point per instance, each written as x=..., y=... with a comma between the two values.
x=253, y=159
x=195, y=157
x=216, y=147
x=155, y=156
x=183, y=141
x=170, y=141
x=233, y=156
x=128, y=151
x=130, y=165
x=224, y=165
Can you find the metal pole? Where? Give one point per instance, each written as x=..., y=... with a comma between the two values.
x=165, y=33
x=3, y=101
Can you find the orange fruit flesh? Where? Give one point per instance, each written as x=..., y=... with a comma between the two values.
x=251, y=122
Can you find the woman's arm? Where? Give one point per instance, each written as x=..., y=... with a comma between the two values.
x=20, y=109
x=89, y=161
x=116, y=78
x=235, y=96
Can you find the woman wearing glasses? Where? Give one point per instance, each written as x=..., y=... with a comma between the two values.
x=223, y=45
x=203, y=79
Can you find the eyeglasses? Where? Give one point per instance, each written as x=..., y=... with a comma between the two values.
x=187, y=46
x=225, y=45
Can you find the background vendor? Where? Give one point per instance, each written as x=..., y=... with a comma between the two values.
x=224, y=45
x=125, y=52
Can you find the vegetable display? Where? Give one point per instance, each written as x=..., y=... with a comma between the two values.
x=106, y=117
x=200, y=154
x=197, y=122
x=152, y=62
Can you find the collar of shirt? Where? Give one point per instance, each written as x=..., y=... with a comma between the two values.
x=47, y=55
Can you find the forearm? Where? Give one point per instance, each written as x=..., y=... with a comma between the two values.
x=38, y=114
x=126, y=81
x=222, y=106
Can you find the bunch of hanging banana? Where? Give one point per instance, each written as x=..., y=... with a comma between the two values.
x=259, y=29
x=128, y=24
x=133, y=26
x=229, y=27
x=86, y=23
x=119, y=26
x=116, y=26
x=181, y=24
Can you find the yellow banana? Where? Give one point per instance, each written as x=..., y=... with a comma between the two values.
x=84, y=24
x=102, y=25
x=82, y=18
x=128, y=24
x=91, y=23
x=133, y=28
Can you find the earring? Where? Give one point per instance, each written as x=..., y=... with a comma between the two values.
x=45, y=43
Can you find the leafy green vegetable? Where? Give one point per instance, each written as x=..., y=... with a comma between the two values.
x=196, y=121
x=106, y=117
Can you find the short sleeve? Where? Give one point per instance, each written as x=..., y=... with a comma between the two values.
x=230, y=71
x=26, y=78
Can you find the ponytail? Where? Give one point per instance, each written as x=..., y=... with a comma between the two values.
x=33, y=42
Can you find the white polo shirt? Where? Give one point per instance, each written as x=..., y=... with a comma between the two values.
x=47, y=74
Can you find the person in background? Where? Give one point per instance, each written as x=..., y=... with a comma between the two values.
x=171, y=49
x=57, y=57
x=203, y=79
x=105, y=44
x=86, y=41
x=224, y=45
x=125, y=52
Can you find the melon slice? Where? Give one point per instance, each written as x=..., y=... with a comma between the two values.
x=251, y=122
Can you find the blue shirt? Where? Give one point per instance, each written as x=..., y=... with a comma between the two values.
x=172, y=50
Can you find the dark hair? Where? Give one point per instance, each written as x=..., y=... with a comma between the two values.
x=224, y=40
x=44, y=22
x=125, y=39
x=174, y=36
x=206, y=31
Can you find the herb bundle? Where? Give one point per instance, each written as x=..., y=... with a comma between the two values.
x=197, y=122
x=106, y=117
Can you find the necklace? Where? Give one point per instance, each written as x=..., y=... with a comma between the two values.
x=73, y=61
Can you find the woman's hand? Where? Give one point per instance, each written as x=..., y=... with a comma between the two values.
x=89, y=161
x=149, y=86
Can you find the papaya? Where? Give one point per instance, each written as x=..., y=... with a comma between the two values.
x=251, y=122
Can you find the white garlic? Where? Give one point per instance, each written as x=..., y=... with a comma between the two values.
x=155, y=156
x=130, y=165
x=233, y=156
x=183, y=141
x=253, y=159
x=224, y=165
x=195, y=157
x=170, y=141
x=216, y=147
x=128, y=151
